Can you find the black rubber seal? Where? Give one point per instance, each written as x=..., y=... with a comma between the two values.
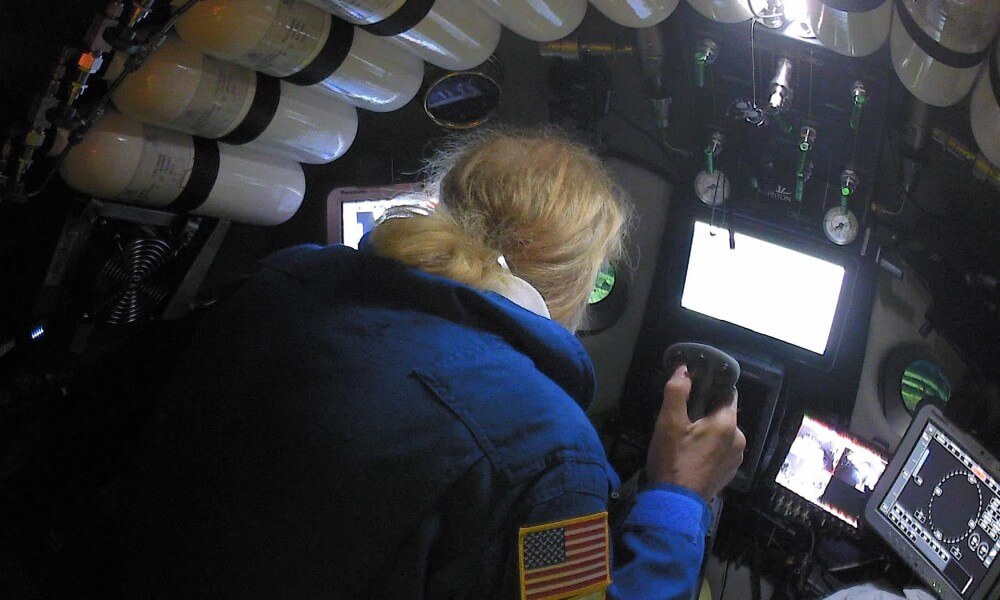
x=957, y=60
x=330, y=57
x=853, y=6
x=265, y=104
x=994, y=69
x=204, y=172
x=404, y=19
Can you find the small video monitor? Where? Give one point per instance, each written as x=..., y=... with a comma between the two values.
x=938, y=507
x=353, y=211
x=831, y=470
x=764, y=287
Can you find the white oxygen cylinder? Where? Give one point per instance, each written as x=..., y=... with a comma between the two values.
x=937, y=46
x=452, y=34
x=723, y=11
x=538, y=20
x=984, y=110
x=122, y=159
x=179, y=88
x=636, y=13
x=851, y=27
x=305, y=46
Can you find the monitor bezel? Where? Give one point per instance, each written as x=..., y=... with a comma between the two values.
x=740, y=337
x=893, y=537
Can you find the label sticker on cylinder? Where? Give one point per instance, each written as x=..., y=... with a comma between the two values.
x=293, y=40
x=165, y=164
x=364, y=12
x=224, y=94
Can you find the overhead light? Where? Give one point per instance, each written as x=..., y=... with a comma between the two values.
x=795, y=10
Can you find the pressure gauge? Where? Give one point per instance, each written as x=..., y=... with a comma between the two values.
x=840, y=226
x=712, y=188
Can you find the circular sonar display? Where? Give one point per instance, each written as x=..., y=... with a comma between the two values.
x=958, y=488
x=948, y=507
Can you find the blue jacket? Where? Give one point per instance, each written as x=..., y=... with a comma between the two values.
x=347, y=427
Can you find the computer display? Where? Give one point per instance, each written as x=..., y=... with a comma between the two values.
x=767, y=288
x=359, y=217
x=943, y=504
x=353, y=211
x=831, y=470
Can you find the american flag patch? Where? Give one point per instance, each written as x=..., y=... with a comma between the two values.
x=564, y=559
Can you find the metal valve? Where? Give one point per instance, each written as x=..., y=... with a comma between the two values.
x=779, y=91
x=705, y=54
x=859, y=97
x=849, y=182
x=712, y=150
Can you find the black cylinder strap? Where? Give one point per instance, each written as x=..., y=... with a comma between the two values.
x=330, y=57
x=404, y=19
x=952, y=58
x=204, y=172
x=266, y=98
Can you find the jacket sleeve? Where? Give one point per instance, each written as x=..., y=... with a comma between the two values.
x=657, y=549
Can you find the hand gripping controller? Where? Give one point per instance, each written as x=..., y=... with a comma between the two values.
x=713, y=379
x=713, y=376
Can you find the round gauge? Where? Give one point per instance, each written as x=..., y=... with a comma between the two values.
x=712, y=188
x=840, y=226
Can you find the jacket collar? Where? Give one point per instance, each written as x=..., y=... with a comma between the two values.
x=343, y=274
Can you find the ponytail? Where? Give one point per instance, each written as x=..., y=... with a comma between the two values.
x=544, y=203
x=436, y=243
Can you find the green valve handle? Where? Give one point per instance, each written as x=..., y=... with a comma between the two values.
x=800, y=170
x=709, y=160
x=843, y=205
x=800, y=188
x=859, y=106
x=700, y=60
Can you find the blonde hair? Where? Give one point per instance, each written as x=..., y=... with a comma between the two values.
x=543, y=202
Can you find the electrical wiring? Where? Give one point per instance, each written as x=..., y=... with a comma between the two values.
x=96, y=111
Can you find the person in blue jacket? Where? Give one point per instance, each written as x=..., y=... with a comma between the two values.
x=407, y=420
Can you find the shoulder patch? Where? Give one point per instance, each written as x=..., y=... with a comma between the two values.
x=565, y=559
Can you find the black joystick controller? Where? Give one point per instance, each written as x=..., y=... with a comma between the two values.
x=713, y=380
x=713, y=376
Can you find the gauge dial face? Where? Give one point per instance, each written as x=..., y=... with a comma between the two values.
x=840, y=227
x=712, y=189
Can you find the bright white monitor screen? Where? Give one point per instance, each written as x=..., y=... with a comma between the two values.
x=764, y=287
